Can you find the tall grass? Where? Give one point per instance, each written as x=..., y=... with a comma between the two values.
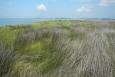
x=7, y=59
x=58, y=49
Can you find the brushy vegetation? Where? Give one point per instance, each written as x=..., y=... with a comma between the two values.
x=58, y=48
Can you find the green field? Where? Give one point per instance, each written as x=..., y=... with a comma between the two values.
x=58, y=48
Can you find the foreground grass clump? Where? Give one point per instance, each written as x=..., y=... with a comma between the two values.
x=58, y=48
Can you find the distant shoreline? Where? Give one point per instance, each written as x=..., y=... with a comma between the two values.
x=29, y=21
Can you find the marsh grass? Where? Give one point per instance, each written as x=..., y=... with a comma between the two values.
x=58, y=49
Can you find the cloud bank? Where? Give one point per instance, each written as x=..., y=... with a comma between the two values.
x=106, y=2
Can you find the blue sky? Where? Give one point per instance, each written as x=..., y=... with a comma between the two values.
x=57, y=8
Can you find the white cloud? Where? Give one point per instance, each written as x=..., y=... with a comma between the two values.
x=84, y=9
x=41, y=8
x=106, y=2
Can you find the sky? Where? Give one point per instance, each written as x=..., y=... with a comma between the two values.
x=57, y=9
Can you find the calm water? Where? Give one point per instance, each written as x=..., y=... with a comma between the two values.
x=14, y=21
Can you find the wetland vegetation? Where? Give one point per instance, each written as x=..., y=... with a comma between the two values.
x=58, y=48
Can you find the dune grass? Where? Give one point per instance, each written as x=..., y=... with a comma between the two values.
x=59, y=48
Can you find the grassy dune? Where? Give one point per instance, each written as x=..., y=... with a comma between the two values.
x=58, y=49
